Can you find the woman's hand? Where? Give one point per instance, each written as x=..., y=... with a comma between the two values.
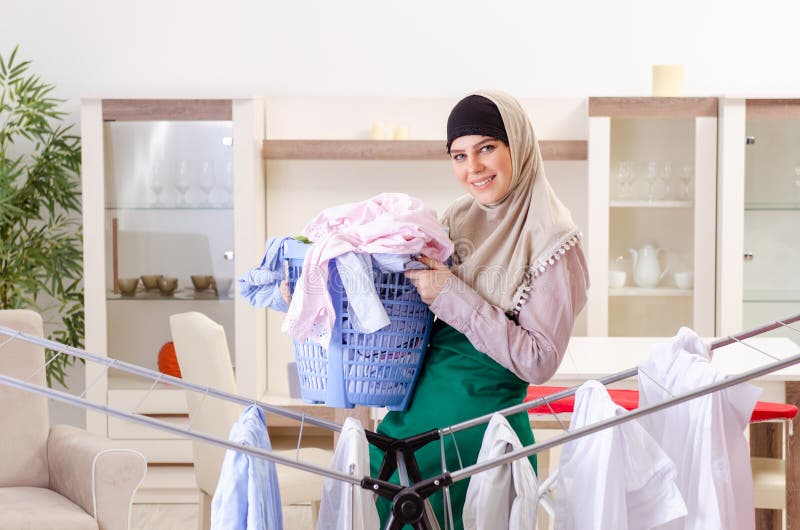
x=430, y=282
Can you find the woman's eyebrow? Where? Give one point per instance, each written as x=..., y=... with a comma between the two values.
x=487, y=140
x=483, y=142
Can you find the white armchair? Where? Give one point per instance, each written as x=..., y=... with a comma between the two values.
x=60, y=476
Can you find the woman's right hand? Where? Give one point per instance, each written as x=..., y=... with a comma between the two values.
x=284, y=287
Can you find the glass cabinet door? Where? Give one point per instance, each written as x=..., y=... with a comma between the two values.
x=771, y=281
x=169, y=232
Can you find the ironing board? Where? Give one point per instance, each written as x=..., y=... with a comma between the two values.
x=629, y=400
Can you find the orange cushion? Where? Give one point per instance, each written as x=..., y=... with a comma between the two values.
x=167, y=360
x=629, y=400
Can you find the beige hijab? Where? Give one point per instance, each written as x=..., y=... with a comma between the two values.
x=499, y=248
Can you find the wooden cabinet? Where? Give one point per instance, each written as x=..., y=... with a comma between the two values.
x=651, y=215
x=759, y=221
x=172, y=188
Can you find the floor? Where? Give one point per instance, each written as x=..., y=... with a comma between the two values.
x=184, y=517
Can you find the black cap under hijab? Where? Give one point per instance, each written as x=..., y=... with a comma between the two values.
x=475, y=115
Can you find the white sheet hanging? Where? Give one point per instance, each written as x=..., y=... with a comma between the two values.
x=348, y=506
x=704, y=436
x=504, y=497
x=616, y=478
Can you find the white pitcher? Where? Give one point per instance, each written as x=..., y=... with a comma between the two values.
x=646, y=269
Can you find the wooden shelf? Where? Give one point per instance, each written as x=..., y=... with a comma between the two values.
x=655, y=291
x=781, y=109
x=167, y=109
x=648, y=107
x=650, y=204
x=396, y=150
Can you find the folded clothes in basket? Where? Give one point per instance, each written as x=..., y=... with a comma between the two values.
x=389, y=223
x=357, y=272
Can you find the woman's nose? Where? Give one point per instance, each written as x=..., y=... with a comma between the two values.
x=475, y=165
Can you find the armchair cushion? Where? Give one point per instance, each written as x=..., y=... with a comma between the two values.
x=27, y=508
x=95, y=474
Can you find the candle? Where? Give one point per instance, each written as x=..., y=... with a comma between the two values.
x=401, y=132
x=668, y=80
x=378, y=130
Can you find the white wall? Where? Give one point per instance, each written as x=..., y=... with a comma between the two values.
x=415, y=47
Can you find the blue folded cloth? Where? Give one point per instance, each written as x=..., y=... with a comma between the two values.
x=261, y=285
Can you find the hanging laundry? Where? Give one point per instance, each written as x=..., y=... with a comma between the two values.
x=261, y=285
x=345, y=506
x=703, y=436
x=616, y=478
x=389, y=223
x=247, y=495
x=503, y=497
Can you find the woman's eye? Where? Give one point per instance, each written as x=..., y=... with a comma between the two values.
x=486, y=148
x=459, y=156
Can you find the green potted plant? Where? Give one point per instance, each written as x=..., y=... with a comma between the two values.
x=41, y=259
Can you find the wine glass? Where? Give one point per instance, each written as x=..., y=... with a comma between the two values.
x=686, y=181
x=183, y=181
x=652, y=178
x=205, y=178
x=665, y=180
x=226, y=180
x=625, y=176
x=156, y=182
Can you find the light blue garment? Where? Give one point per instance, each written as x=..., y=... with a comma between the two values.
x=247, y=495
x=261, y=285
x=396, y=262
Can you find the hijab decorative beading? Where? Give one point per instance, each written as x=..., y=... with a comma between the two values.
x=500, y=248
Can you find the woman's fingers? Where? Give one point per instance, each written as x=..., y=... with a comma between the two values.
x=432, y=263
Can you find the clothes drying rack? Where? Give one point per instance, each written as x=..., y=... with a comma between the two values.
x=407, y=498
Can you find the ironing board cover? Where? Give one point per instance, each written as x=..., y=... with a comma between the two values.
x=629, y=400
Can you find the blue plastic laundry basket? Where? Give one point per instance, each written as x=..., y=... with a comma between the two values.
x=375, y=369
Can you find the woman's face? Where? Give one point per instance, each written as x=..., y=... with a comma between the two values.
x=482, y=165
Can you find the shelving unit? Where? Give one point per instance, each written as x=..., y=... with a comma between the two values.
x=138, y=219
x=651, y=140
x=759, y=211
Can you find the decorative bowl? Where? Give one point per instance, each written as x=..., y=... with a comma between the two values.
x=127, y=286
x=167, y=285
x=150, y=281
x=201, y=282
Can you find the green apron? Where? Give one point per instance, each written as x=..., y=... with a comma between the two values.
x=457, y=383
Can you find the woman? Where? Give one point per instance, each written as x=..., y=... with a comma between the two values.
x=506, y=309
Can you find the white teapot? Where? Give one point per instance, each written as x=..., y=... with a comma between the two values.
x=646, y=269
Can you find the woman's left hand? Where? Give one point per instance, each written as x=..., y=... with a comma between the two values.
x=430, y=282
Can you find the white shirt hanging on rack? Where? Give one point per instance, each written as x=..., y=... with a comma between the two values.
x=503, y=497
x=703, y=436
x=346, y=506
x=616, y=478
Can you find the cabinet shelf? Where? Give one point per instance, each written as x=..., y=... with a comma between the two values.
x=171, y=208
x=650, y=204
x=180, y=294
x=771, y=207
x=396, y=149
x=771, y=296
x=655, y=291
